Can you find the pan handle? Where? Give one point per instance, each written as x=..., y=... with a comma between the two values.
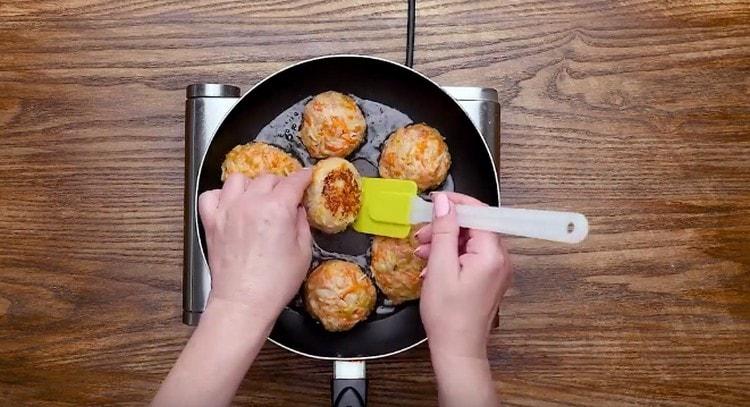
x=349, y=384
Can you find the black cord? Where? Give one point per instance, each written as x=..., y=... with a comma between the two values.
x=410, y=18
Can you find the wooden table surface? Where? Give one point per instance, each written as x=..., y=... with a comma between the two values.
x=636, y=113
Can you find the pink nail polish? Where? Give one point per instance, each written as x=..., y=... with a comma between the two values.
x=420, y=251
x=419, y=232
x=424, y=271
x=441, y=205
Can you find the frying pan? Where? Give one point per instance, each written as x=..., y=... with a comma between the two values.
x=388, y=83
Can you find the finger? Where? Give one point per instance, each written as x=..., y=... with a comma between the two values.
x=502, y=256
x=292, y=188
x=424, y=234
x=264, y=183
x=479, y=241
x=208, y=202
x=490, y=259
x=423, y=251
x=443, y=259
x=462, y=199
x=233, y=187
x=304, y=236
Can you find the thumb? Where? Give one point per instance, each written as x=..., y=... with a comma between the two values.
x=293, y=187
x=304, y=236
x=208, y=203
x=444, y=244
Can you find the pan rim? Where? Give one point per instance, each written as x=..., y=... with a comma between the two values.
x=346, y=359
x=288, y=67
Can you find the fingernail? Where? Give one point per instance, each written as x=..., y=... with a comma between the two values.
x=441, y=205
x=419, y=251
x=424, y=271
x=419, y=232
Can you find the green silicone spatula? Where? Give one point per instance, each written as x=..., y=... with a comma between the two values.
x=391, y=206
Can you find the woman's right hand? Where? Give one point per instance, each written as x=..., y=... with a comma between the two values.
x=467, y=273
x=466, y=276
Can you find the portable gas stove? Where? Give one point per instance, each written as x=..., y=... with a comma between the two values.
x=205, y=108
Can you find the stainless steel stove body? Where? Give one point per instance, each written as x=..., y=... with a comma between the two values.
x=206, y=106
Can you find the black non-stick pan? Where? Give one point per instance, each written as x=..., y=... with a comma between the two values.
x=381, y=82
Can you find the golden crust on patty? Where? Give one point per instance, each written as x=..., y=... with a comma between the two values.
x=333, y=197
x=339, y=294
x=416, y=152
x=396, y=268
x=332, y=125
x=255, y=158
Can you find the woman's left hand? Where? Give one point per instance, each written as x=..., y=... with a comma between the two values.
x=258, y=240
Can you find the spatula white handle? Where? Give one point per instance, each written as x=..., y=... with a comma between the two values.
x=564, y=227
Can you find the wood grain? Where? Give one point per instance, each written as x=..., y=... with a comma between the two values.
x=635, y=112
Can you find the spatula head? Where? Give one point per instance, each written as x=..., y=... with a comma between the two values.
x=386, y=207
